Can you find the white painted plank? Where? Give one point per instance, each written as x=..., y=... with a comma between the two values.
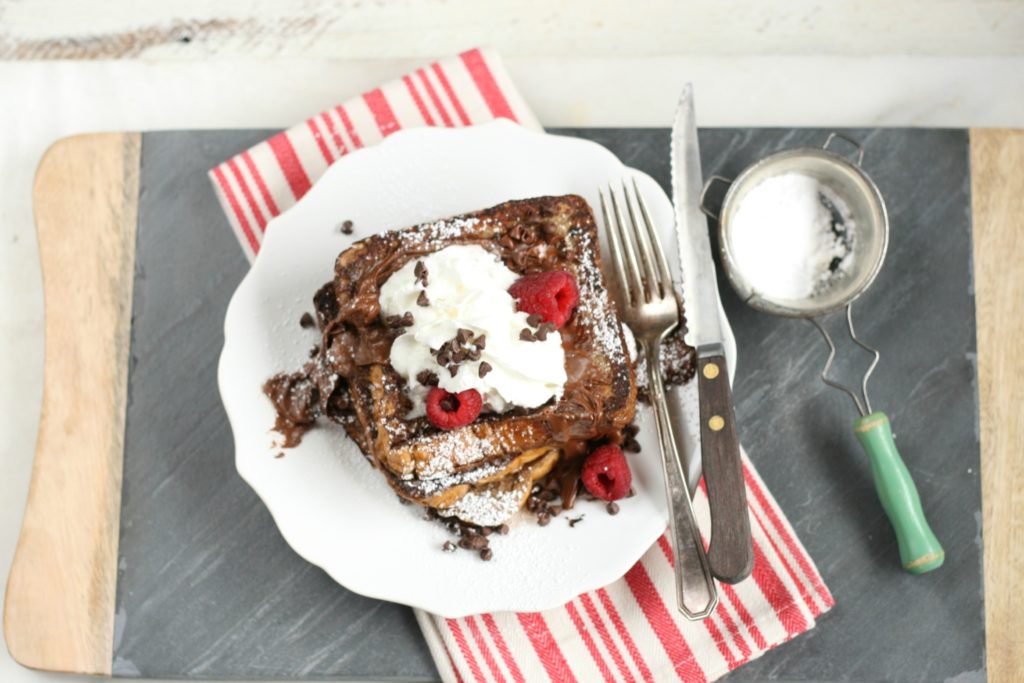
x=360, y=29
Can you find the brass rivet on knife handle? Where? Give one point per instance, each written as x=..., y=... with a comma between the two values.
x=711, y=370
x=730, y=552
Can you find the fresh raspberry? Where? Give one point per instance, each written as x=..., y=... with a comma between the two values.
x=451, y=411
x=606, y=473
x=552, y=295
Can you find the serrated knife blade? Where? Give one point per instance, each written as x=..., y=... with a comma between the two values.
x=730, y=551
x=700, y=286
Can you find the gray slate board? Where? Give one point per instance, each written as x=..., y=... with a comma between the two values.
x=208, y=589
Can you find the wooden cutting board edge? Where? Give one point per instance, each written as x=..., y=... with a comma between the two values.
x=59, y=606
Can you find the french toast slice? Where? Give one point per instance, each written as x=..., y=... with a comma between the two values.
x=499, y=455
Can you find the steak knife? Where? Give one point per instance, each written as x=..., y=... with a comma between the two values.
x=731, y=552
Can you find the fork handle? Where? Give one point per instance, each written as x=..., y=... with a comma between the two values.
x=696, y=595
x=731, y=551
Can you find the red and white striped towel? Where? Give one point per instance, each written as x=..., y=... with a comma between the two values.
x=630, y=630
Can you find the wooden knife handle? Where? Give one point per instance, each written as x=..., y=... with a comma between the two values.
x=731, y=552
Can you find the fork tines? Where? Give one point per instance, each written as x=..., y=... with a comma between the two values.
x=639, y=258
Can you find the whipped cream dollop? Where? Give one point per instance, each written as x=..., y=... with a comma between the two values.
x=467, y=289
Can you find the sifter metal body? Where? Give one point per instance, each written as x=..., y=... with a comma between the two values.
x=920, y=550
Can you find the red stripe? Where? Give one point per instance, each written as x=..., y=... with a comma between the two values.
x=290, y=165
x=237, y=172
x=745, y=617
x=349, y=128
x=778, y=596
x=665, y=627
x=237, y=208
x=258, y=177
x=723, y=647
x=581, y=628
x=433, y=97
x=452, y=97
x=411, y=87
x=787, y=538
x=546, y=647
x=502, y=647
x=484, y=648
x=709, y=624
x=804, y=594
x=467, y=654
x=458, y=676
x=318, y=136
x=631, y=647
x=486, y=84
x=382, y=112
x=339, y=144
x=734, y=632
x=606, y=638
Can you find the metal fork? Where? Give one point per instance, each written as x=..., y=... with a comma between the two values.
x=648, y=304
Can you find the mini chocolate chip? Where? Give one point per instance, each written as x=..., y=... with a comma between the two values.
x=548, y=327
x=519, y=259
x=486, y=554
x=541, y=334
x=631, y=430
x=306, y=321
x=427, y=378
x=480, y=342
x=454, y=369
x=392, y=320
x=534, y=319
x=543, y=519
x=485, y=367
x=632, y=492
x=548, y=495
x=473, y=354
x=345, y=228
x=612, y=508
x=473, y=541
x=314, y=351
x=555, y=510
x=449, y=547
x=631, y=445
x=420, y=271
x=486, y=531
x=407, y=319
x=422, y=299
x=526, y=335
x=503, y=529
x=278, y=456
x=463, y=335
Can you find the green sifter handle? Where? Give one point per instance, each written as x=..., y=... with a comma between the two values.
x=920, y=551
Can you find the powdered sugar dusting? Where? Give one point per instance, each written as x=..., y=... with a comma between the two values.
x=436, y=233
x=594, y=303
x=490, y=506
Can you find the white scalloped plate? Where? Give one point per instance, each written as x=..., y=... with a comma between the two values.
x=329, y=504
